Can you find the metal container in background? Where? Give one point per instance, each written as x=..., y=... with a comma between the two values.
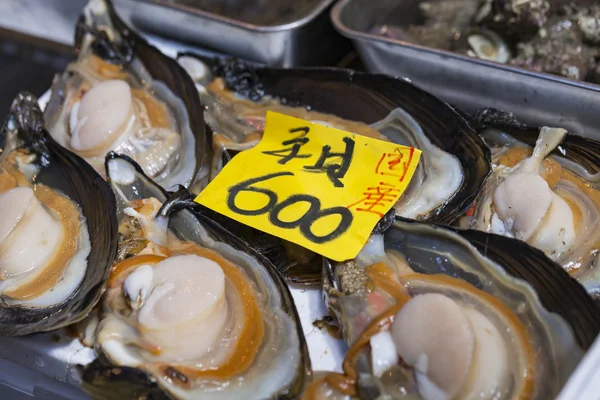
x=308, y=40
x=468, y=83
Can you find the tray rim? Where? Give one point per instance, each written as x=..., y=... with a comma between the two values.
x=353, y=34
x=197, y=12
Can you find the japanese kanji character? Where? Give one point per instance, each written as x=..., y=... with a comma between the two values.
x=337, y=168
x=376, y=196
x=396, y=163
x=292, y=152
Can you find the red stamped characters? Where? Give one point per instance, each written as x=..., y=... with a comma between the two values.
x=393, y=167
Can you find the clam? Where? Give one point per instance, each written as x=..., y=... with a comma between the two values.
x=454, y=162
x=124, y=95
x=437, y=313
x=548, y=196
x=486, y=45
x=57, y=228
x=190, y=311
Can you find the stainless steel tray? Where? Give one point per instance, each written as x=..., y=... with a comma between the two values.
x=42, y=366
x=297, y=43
x=536, y=98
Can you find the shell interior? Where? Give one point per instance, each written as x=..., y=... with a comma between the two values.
x=123, y=94
x=565, y=188
x=73, y=183
x=281, y=364
x=480, y=272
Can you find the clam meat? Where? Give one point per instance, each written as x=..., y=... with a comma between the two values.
x=57, y=218
x=198, y=317
x=550, y=201
x=122, y=94
x=434, y=313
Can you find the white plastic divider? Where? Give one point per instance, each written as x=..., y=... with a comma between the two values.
x=584, y=383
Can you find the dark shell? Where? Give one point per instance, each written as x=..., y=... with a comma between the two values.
x=582, y=150
x=158, y=65
x=557, y=290
x=107, y=381
x=67, y=173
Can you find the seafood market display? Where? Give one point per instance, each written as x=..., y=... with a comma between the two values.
x=124, y=95
x=477, y=323
x=57, y=230
x=550, y=201
x=555, y=36
x=195, y=316
x=163, y=298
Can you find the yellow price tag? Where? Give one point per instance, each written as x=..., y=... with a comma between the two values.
x=316, y=186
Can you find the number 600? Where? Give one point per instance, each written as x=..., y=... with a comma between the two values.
x=274, y=209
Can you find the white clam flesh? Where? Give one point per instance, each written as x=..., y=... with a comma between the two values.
x=439, y=320
x=456, y=351
x=185, y=297
x=527, y=208
x=193, y=319
x=26, y=223
x=104, y=113
x=457, y=341
x=44, y=242
x=98, y=106
x=110, y=116
x=542, y=200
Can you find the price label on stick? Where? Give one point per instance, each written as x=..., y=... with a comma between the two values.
x=316, y=186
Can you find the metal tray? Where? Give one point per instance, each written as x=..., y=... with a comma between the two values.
x=468, y=83
x=296, y=43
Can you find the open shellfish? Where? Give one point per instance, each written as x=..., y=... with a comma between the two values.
x=187, y=315
x=454, y=160
x=446, y=314
x=545, y=190
x=124, y=95
x=57, y=228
